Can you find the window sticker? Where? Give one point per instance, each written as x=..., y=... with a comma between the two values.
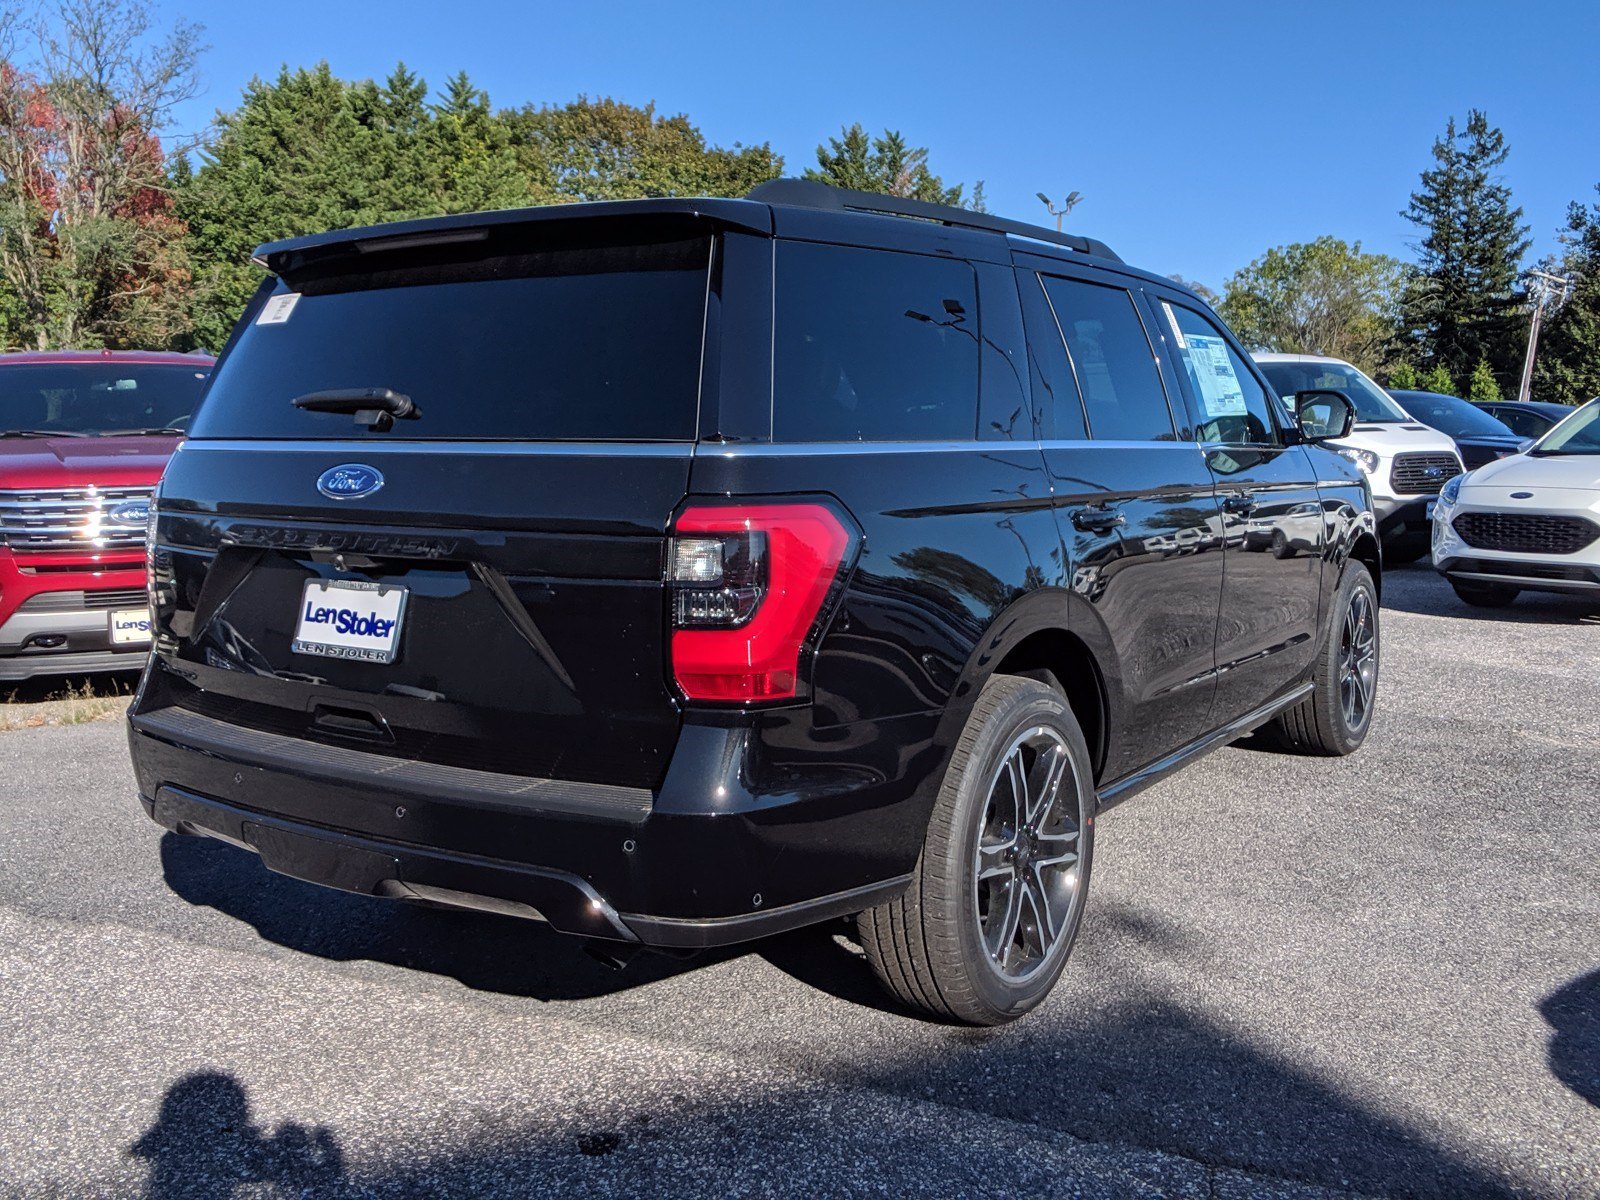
x=1220, y=393
x=277, y=309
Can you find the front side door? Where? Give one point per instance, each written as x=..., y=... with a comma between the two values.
x=1136, y=508
x=1271, y=513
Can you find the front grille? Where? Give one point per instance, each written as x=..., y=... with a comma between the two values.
x=1422, y=474
x=74, y=601
x=71, y=519
x=1525, y=533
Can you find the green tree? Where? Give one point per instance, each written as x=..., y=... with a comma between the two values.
x=607, y=150
x=1463, y=304
x=1437, y=379
x=91, y=250
x=1567, y=369
x=1482, y=388
x=1321, y=297
x=887, y=165
x=1403, y=377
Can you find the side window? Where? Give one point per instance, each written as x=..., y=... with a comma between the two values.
x=872, y=345
x=1055, y=392
x=1111, y=357
x=1232, y=408
x=1003, y=406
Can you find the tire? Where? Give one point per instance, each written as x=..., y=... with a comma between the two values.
x=1280, y=545
x=928, y=946
x=1326, y=722
x=1485, y=595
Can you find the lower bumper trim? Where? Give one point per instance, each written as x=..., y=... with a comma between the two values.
x=30, y=665
x=688, y=934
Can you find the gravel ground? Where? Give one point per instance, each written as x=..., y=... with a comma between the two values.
x=1297, y=978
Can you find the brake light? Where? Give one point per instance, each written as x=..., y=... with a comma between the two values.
x=749, y=582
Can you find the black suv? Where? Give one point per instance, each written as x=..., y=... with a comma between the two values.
x=684, y=571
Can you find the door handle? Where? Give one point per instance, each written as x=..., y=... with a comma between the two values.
x=1097, y=519
x=1242, y=503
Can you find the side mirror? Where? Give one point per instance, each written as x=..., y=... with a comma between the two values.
x=1325, y=416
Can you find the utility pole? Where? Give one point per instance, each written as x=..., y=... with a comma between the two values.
x=1544, y=287
x=1067, y=205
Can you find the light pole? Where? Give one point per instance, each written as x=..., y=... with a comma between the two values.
x=1067, y=205
x=1544, y=286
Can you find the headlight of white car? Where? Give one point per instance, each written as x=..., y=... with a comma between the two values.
x=1451, y=491
x=1365, y=459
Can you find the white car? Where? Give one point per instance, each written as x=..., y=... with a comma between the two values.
x=1405, y=461
x=1531, y=521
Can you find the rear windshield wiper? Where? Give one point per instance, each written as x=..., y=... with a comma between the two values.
x=376, y=408
x=41, y=433
x=154, y=431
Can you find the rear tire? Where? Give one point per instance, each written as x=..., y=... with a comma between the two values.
x=1485, y=595
x=983, y=931
x=1335, y=717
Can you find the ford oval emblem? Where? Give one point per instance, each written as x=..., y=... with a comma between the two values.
x=1522, y=495
x=349, y=481
x=130, y=512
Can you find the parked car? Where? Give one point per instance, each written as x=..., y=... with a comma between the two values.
x=1527, y=418
x=682, y=571
x=1479, y=437
x=1528, y=522
x=1405, y=461
x=83, y=439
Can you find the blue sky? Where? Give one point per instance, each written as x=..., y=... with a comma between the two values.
x=1200, y=134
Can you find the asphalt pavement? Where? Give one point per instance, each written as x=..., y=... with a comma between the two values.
x=1297, y=978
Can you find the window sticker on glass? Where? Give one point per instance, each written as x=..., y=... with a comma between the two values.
x=277, y=309
x=1206, y=357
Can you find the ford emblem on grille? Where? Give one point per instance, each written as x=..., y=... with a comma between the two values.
x=349, y=481
x=130, y=512
x=1522, y=495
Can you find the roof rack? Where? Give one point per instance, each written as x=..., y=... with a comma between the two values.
x=810, y=193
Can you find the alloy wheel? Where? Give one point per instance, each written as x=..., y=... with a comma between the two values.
x=1358, y=661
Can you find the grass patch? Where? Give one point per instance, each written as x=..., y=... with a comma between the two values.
x=76, y=704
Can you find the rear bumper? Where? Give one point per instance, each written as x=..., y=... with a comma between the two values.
x=702, y=861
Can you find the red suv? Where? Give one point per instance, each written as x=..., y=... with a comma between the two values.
x=84, y=437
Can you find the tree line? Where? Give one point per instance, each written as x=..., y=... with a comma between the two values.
x=116, y=230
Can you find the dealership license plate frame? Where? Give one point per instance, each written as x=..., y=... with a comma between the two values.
x=118, y=636
x=321, y=589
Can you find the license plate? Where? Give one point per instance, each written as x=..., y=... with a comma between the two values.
x=1432, y=504
x=129, y=626
x=343, y=618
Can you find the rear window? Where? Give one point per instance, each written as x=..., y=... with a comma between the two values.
x=873, y=346
x=581, y=343
x=99, y=398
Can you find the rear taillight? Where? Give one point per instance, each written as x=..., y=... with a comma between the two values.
x=749, y=584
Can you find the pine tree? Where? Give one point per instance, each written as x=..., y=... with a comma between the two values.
x=1567, y=369
x=1463, y=305
x=887, y=165
x=1403, y=378
x=1437, y=379
x=1482, y=388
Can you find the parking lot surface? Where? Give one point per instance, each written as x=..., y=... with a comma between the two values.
x=1297, y=978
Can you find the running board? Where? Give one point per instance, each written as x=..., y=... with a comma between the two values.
x=1133, y=784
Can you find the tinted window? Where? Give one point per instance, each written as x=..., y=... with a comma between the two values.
x=578, y=343
x=1113, y=362
x=1371, y=402
x=873, y=346
x=1231, y=405
x=1522, y=422
x=1003, y=403
x=1055, y=392
x=98, y=398
x=1450, y=414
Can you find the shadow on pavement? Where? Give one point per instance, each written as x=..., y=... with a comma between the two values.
x=1574, y=1017
x=1113, y=1061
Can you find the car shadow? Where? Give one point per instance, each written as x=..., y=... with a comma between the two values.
x=1073, y=1100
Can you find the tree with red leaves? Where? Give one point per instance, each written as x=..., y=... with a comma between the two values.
x=91, y=249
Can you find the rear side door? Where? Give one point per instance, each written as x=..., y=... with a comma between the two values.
x=1271, y=513
x=1136, y=512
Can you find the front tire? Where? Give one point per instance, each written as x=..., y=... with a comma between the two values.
x=1485, y=595
x=983, y=931
x=1335, y=717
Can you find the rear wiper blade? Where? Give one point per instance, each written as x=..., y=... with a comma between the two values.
x=41, y=433
x=376, y=407
x=154, y=431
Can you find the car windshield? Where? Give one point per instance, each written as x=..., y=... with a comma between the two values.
x=92, y=399
x=1452, y=415
x=1578, y=434
x=1370, y=401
